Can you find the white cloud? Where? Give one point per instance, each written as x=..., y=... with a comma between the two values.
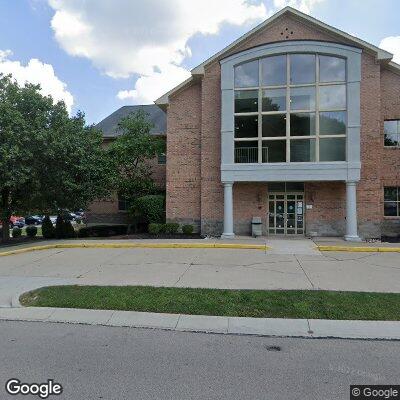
x=149, y=38
x=305, y=6
x=36, y=72
x=392, y=45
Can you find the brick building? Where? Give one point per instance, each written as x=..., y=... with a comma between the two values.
x=114, y=210
x=295, y=122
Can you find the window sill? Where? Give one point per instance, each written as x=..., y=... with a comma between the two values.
x=391, y=217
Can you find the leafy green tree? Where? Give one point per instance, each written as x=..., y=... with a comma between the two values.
x=48, y=160
x=130, y=153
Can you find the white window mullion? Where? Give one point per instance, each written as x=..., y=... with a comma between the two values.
x=317, y=108
x=287, y=108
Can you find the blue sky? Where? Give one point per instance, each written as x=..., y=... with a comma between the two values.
x=98, y=51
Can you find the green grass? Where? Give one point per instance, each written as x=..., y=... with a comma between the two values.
x=39, y=231
x=241, y=303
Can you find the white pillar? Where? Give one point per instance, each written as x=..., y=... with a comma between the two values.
x=351, y=212
x=228, y=211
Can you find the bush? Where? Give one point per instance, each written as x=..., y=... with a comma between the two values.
x=102, y=230
x=171, y=228
x=48, y=230
x=31, y=231
x=155, y=229
x=151, y=207
x=69, y=231
x=60, y=229
x=16, y=232
x=187, y=229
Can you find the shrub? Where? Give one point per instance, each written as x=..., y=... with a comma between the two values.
x=48, y=230
x=151, y=207
x=102, y=230
x=31, y=231
x=171, y=228
x=60, y=230
x=69, y=231
x=187, y=229
x=155, y=229
x=16, y=232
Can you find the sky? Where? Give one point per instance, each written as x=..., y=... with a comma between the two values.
x=98, y=55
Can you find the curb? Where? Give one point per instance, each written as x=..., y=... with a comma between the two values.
x=277, y=327
x=360, y=249
x=262, y=247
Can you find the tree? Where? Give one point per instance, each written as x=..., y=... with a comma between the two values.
x=130, y=153
x=48, y=160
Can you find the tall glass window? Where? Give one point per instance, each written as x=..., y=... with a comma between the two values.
x=291, y=108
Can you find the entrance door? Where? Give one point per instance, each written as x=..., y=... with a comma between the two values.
x=286, y=214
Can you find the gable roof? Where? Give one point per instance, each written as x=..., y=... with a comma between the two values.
x=109, y=125
x=380, y=54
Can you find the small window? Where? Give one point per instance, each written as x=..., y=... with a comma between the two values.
x=246, y=101
x=302, y=150
x=123, y=203
x=246, y=152
x=273, y=71
x=302, y=124
x=162, y=159
x=274, y=151
x=332, y=123
x=332, y=97
x=274, y=100
x=246, y=75
x=392, y=201
x=332, y=149
x=274, y=125
x=392, y=133
x=246, y=126
x=302, y=98
x=302, y=69
x=332, y=69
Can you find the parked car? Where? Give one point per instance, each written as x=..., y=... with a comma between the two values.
x=17, y=221
x=20, y=222
x=33, y=220
x=53, y=219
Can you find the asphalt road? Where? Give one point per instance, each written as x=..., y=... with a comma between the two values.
x=94, y=362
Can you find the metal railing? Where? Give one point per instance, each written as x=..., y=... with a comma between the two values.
x=249, y=155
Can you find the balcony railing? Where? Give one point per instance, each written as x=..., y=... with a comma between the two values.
x=248, y=155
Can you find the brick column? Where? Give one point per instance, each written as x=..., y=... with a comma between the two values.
x=228, y=211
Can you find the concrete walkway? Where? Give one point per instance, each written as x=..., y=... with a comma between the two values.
x=292, y=264
x=307, y=328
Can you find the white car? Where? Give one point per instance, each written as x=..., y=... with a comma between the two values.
x=53, y=219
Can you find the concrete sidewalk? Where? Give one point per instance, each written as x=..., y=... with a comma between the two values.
x=289, y=265
x=307, y=328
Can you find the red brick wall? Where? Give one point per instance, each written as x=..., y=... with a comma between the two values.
x=183, y=156
x=194, y=188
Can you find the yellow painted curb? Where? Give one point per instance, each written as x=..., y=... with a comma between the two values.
x=138, y=245
x=360, y=249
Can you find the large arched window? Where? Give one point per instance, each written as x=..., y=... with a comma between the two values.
x=290, y=108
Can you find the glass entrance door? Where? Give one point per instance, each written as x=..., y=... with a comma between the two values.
x=286, y=214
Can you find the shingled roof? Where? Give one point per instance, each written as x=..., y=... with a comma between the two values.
x=109, y=125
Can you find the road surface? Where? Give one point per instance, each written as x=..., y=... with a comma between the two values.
x=96, y=362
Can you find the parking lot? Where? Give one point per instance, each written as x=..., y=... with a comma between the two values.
x=299, y=266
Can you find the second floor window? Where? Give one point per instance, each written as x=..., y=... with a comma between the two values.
x=392, y=133
x=290, y=108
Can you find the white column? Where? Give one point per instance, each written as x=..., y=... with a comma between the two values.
x=351, y=212
x=228, y=211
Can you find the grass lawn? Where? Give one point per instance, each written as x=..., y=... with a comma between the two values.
x=39, y=231
x=241, y=303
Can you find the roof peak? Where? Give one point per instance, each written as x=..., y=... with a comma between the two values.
x=302, y=17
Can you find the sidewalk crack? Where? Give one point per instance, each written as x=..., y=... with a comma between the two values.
x=305, y=273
